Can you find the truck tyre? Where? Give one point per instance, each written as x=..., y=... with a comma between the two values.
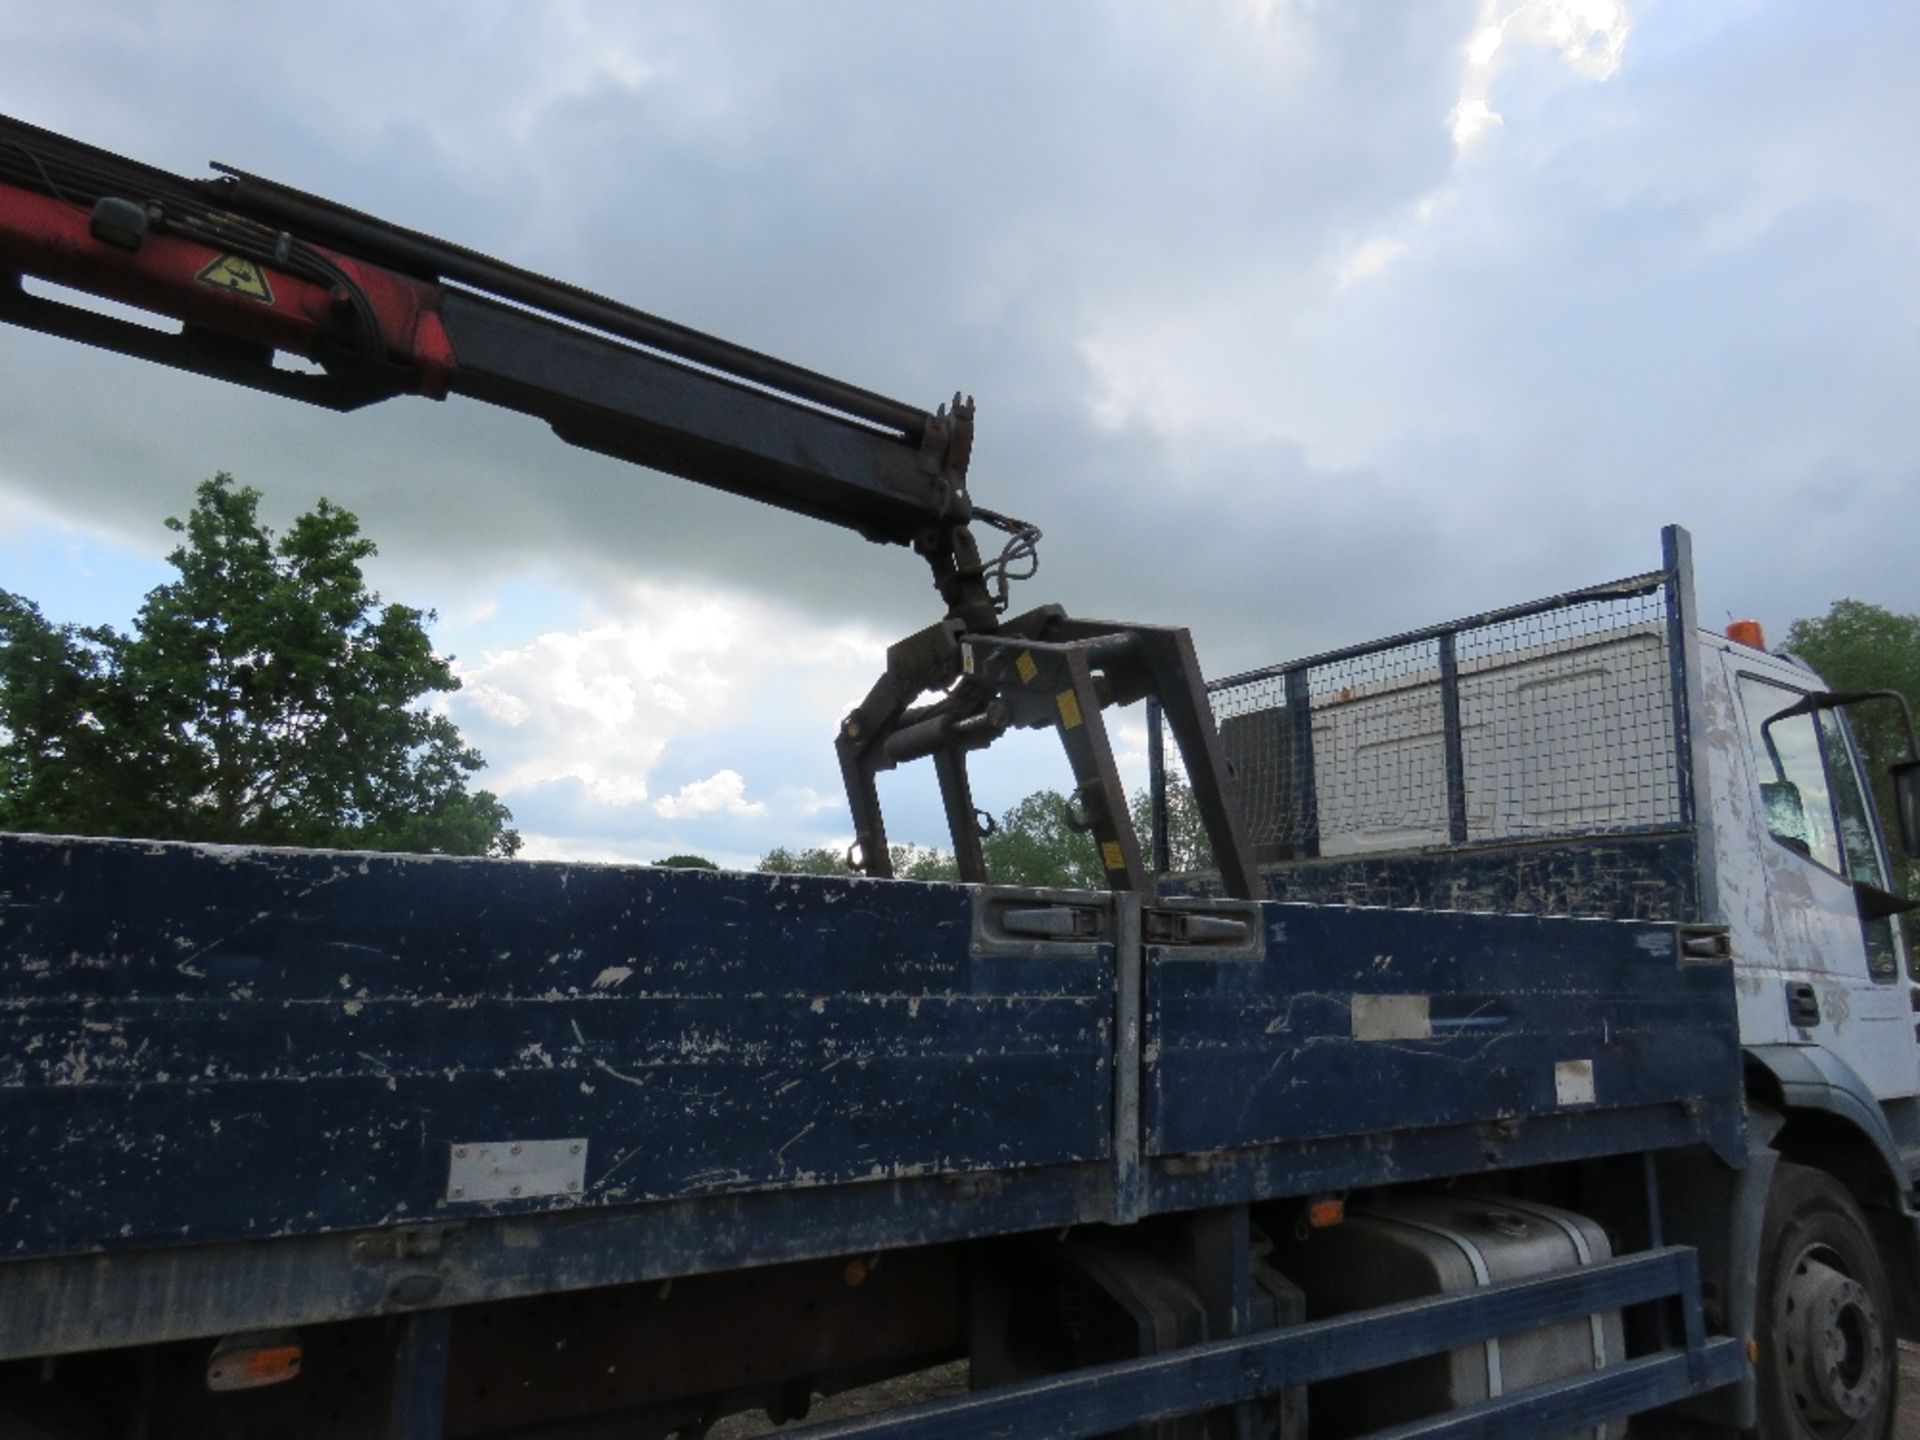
x=1828, y=1359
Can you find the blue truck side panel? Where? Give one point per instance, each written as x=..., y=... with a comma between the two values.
x=1382, y=1022
x=242, y=1074
x=208, y=1044
x=1648, y=876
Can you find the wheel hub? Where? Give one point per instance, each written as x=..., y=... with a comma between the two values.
x=1835, y=1351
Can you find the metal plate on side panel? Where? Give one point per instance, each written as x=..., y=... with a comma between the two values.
x=1573, y=1082
x=515, y=1169
x=1392, y=1017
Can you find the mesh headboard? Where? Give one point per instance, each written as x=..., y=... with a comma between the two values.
x=1556, y=718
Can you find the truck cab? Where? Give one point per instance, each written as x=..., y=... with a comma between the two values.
x=1601, y=754
x=1533, y=760
x=1801, y=872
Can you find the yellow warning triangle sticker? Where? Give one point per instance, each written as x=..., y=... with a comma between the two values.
x=236, y=273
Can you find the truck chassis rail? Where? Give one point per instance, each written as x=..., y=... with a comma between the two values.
x=1229, y=1372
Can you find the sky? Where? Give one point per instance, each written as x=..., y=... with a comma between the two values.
x=1289, y=321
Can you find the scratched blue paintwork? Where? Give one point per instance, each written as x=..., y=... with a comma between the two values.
x=1650, y=875
x=198, y=1044
x=1243, y=1051
x=1647, y=876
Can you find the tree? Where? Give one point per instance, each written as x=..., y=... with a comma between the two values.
x=685, y=862
x=1858, y=646
x=814, y=860
x=264, y=697
x=57, y=761
x=1187, y=845
x=1033, y=844
x=923, y=862
x=910, y=862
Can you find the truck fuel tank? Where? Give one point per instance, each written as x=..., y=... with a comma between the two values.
x=1405, y=1247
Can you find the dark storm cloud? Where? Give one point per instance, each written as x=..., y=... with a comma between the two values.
x=1684, y=292
x=911, y=202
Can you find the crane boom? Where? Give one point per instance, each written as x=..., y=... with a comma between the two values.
x=251, y=269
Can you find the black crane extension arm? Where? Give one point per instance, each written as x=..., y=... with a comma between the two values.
x=250, y=268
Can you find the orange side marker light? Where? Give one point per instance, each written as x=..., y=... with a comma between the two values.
x=246, y=1362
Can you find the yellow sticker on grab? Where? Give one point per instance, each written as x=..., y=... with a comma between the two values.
x=1110, y=855
x=1069, y=705
x=1025, y=667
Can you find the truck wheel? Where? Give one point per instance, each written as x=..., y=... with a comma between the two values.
x=1827, y=1346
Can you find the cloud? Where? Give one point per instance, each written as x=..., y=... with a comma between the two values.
x=536, y=846
x=1471, y=118
x=1053, y=184
x=1589, y=37
x=1276, y=330
x=1370, y=258
x=600, y=704
x=724, y=790
x=682, y=719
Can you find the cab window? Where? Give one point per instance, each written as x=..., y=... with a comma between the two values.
x=1856, y=829
x=1857, y=843
x=1795, y=800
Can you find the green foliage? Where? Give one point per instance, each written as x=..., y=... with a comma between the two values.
x=57, y=758
x=264, y=697
x=686, y=862
x=1858, y=646
x=921, y=862
x=1188, y=848
x=1032, y=844
x=910, y=862
x=814, y=860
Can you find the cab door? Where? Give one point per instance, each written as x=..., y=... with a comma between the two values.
x=1832, y=972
